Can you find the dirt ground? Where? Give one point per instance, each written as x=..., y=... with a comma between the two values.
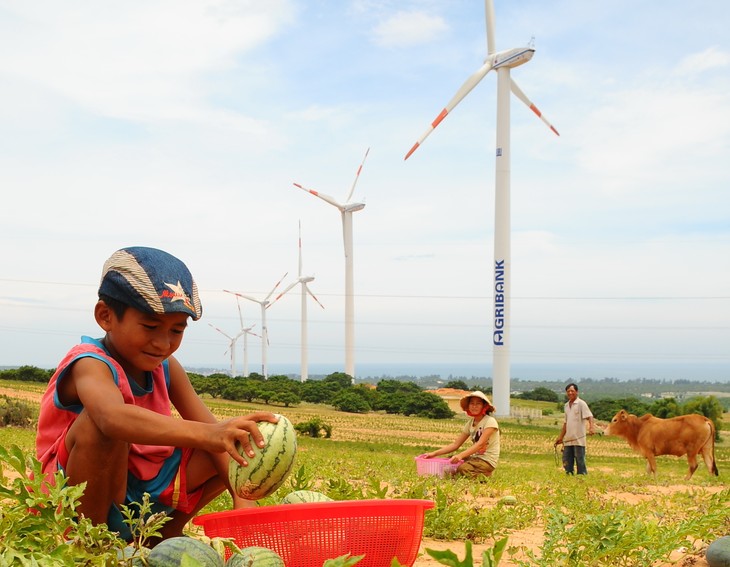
x=532, y=539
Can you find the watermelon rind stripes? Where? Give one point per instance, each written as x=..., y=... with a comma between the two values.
x=270, y=466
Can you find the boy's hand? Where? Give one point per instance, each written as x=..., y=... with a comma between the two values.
x=243, y=429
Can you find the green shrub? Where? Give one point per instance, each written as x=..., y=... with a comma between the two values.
x=14, y=412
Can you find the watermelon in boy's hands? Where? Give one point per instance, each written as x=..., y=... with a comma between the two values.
x=271, y=464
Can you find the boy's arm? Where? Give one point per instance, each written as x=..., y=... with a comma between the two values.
x=190, y=407
x=184, y=397
x=90, y=383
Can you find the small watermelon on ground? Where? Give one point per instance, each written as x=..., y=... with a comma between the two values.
x=301, y=496
x=508, y=500
x=718, y=553
x=255, y=557
x=270, y=466
x=170, y=552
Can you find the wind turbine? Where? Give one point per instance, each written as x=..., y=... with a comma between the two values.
x=501, y=62
x=231, y=347
x=245, y=332
x=303, y=280
x=346, y=209
x=264, y=303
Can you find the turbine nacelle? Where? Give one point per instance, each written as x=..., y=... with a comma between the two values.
x=511, y=58
x=352, y=207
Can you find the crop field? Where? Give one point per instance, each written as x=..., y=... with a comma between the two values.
x=616, y=515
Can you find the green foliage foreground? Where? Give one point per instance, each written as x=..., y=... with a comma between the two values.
x=617, y=515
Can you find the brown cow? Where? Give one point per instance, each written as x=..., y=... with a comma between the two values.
x=684, y=435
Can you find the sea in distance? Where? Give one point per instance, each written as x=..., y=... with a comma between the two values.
x=548, y=372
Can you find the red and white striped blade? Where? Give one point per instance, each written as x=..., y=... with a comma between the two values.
x=309, y=291
x=221, y=332
x=523, y=97
x=283, y=293
x=242, y=295
x=326, y=198
x=357, y=176
x=465, y=89
x=273, y=289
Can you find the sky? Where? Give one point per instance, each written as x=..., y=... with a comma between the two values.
x=184, y=126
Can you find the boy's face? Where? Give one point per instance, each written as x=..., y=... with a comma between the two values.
x=141, y=341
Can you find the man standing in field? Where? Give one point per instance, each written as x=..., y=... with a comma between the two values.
x=578, y=418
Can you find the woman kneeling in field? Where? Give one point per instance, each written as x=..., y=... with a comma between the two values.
x=482, y=457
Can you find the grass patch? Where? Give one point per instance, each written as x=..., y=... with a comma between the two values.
x=616, y=515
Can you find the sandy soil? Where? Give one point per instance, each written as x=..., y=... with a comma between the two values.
x=530, y=538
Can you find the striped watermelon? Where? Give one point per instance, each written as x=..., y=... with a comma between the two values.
x=255, y=557
x=270, y=466
x=300, y=496
x=170, y=552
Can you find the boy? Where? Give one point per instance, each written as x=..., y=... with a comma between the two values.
x=106, y=419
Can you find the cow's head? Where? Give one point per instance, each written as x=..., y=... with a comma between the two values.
x=617, y=422
x=622, y=415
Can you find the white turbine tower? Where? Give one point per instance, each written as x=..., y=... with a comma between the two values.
x=346, y=209
x=264, y=303
x=501, y=62
x=231, y=348
x=244, y=332
x=303, y=280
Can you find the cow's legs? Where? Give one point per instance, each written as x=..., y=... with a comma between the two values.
x=692, y=460
x=709, y=458
x=650, y=465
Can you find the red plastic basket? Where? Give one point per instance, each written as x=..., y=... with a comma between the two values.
x=435, y=466
x=307, y=534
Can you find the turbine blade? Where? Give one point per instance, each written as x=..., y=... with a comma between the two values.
x=309, y=291
x=240, y=313
x=523, y=97
x=277, y=285
x=465, y=89
x=489, y=14
x=243, y=296
x=221, y=332
x=290, y=286
x=300, y=249
x=357, y=176
x=326, y=198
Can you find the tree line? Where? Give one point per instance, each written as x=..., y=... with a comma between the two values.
x=397, y=396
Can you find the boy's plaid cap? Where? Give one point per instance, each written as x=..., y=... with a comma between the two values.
x=150, y=280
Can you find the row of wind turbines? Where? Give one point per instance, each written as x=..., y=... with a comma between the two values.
x=502, y=62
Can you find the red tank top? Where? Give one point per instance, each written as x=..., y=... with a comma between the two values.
x=55, y=419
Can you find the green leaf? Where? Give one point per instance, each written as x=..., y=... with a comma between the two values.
x=491, y=557
x=450, y=558
x=343, y=561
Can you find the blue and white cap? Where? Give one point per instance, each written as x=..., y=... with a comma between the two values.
x=150, y=280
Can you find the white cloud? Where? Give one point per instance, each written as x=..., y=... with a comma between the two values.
x=136, y=60
x=709, y=59
x=409, y=28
